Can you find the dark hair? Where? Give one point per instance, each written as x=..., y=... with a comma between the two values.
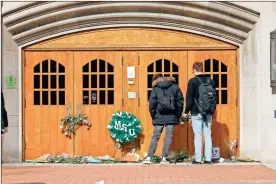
x=156, y=76
x=198, y=66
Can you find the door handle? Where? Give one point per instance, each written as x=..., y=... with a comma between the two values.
x=78, y=109
x=69, y=109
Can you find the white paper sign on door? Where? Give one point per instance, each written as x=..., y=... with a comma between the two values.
x=131, y=95
x=131, y=72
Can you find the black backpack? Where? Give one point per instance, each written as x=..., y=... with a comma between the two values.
x=166, y=100
x=207, y=100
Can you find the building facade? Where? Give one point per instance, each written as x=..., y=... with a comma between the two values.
x=70, y=57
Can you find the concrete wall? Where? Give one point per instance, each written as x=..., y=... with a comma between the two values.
x=10, y=66
x=258, y=125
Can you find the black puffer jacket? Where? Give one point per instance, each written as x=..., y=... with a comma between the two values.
x=165, y=117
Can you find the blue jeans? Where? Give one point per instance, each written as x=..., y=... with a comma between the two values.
x=198, y=124
x=155, y=137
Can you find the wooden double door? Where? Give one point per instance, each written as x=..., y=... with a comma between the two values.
x=96, y=83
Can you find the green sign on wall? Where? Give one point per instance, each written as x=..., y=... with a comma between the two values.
x=11, y=82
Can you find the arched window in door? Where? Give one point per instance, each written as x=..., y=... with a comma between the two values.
x=98, y=83
x=217, y=70
x=164, y=66
x=49, y=83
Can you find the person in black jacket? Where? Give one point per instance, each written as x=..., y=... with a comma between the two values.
x=167, y=118
x=197, y=119
x=4, y=117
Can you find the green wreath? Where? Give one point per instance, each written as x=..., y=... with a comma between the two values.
x=124, y=127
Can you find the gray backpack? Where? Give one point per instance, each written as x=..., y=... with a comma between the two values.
x=207, y=100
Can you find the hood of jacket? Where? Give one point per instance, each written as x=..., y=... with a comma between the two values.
x=163, y=82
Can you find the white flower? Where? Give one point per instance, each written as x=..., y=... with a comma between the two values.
x=61, y=127
x=109, y=126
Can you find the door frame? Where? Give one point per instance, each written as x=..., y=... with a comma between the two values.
x=134, y=47
x=23, y=144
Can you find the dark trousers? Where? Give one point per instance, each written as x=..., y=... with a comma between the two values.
x=158, y=129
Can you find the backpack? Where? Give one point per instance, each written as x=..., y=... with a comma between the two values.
x=207, y=100
x=166, y=100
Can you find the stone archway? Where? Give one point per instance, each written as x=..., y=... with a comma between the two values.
x=36, y=21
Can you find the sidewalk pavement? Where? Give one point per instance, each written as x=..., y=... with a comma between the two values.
x=271, y=165
x=138, y=174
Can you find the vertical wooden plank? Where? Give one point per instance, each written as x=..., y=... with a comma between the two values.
x=79, y=61
x=32, y=118
x=180, y=133
x=45, y=112
x=130, y=59
x=116, y=61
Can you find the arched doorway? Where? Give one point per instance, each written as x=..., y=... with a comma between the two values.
x=90, y=70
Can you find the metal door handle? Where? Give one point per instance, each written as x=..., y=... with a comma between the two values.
x=69, y=109
x=78, y=109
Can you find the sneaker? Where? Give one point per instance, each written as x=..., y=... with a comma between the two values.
x=164, y=161
x=195, y=162
x=208, y=162
x=147, y=161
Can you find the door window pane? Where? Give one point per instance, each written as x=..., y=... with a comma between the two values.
x=159, y=65
x=61, y=97
x=150, y=68
x=36, y=81
x=175, y=67
x=53, y=66
x=61, y=81
x=110, y=81
x=45, y=66
x=167, y=65
x=224, y=80
x=224, y=97
x=85, y=81
x=207, y=65
x=44, y=81
x=53, y=81
x=45, y=98
x=94, y=66
x=94, y=81
x=102, y=81
x=37, y=68
x=85, y=68
x=102, y=97
x=94, y=97
x=85, y=97
x=53, y=98
x=102, y=65
x=215, y=65
x=110, y=97
x=36, y=97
